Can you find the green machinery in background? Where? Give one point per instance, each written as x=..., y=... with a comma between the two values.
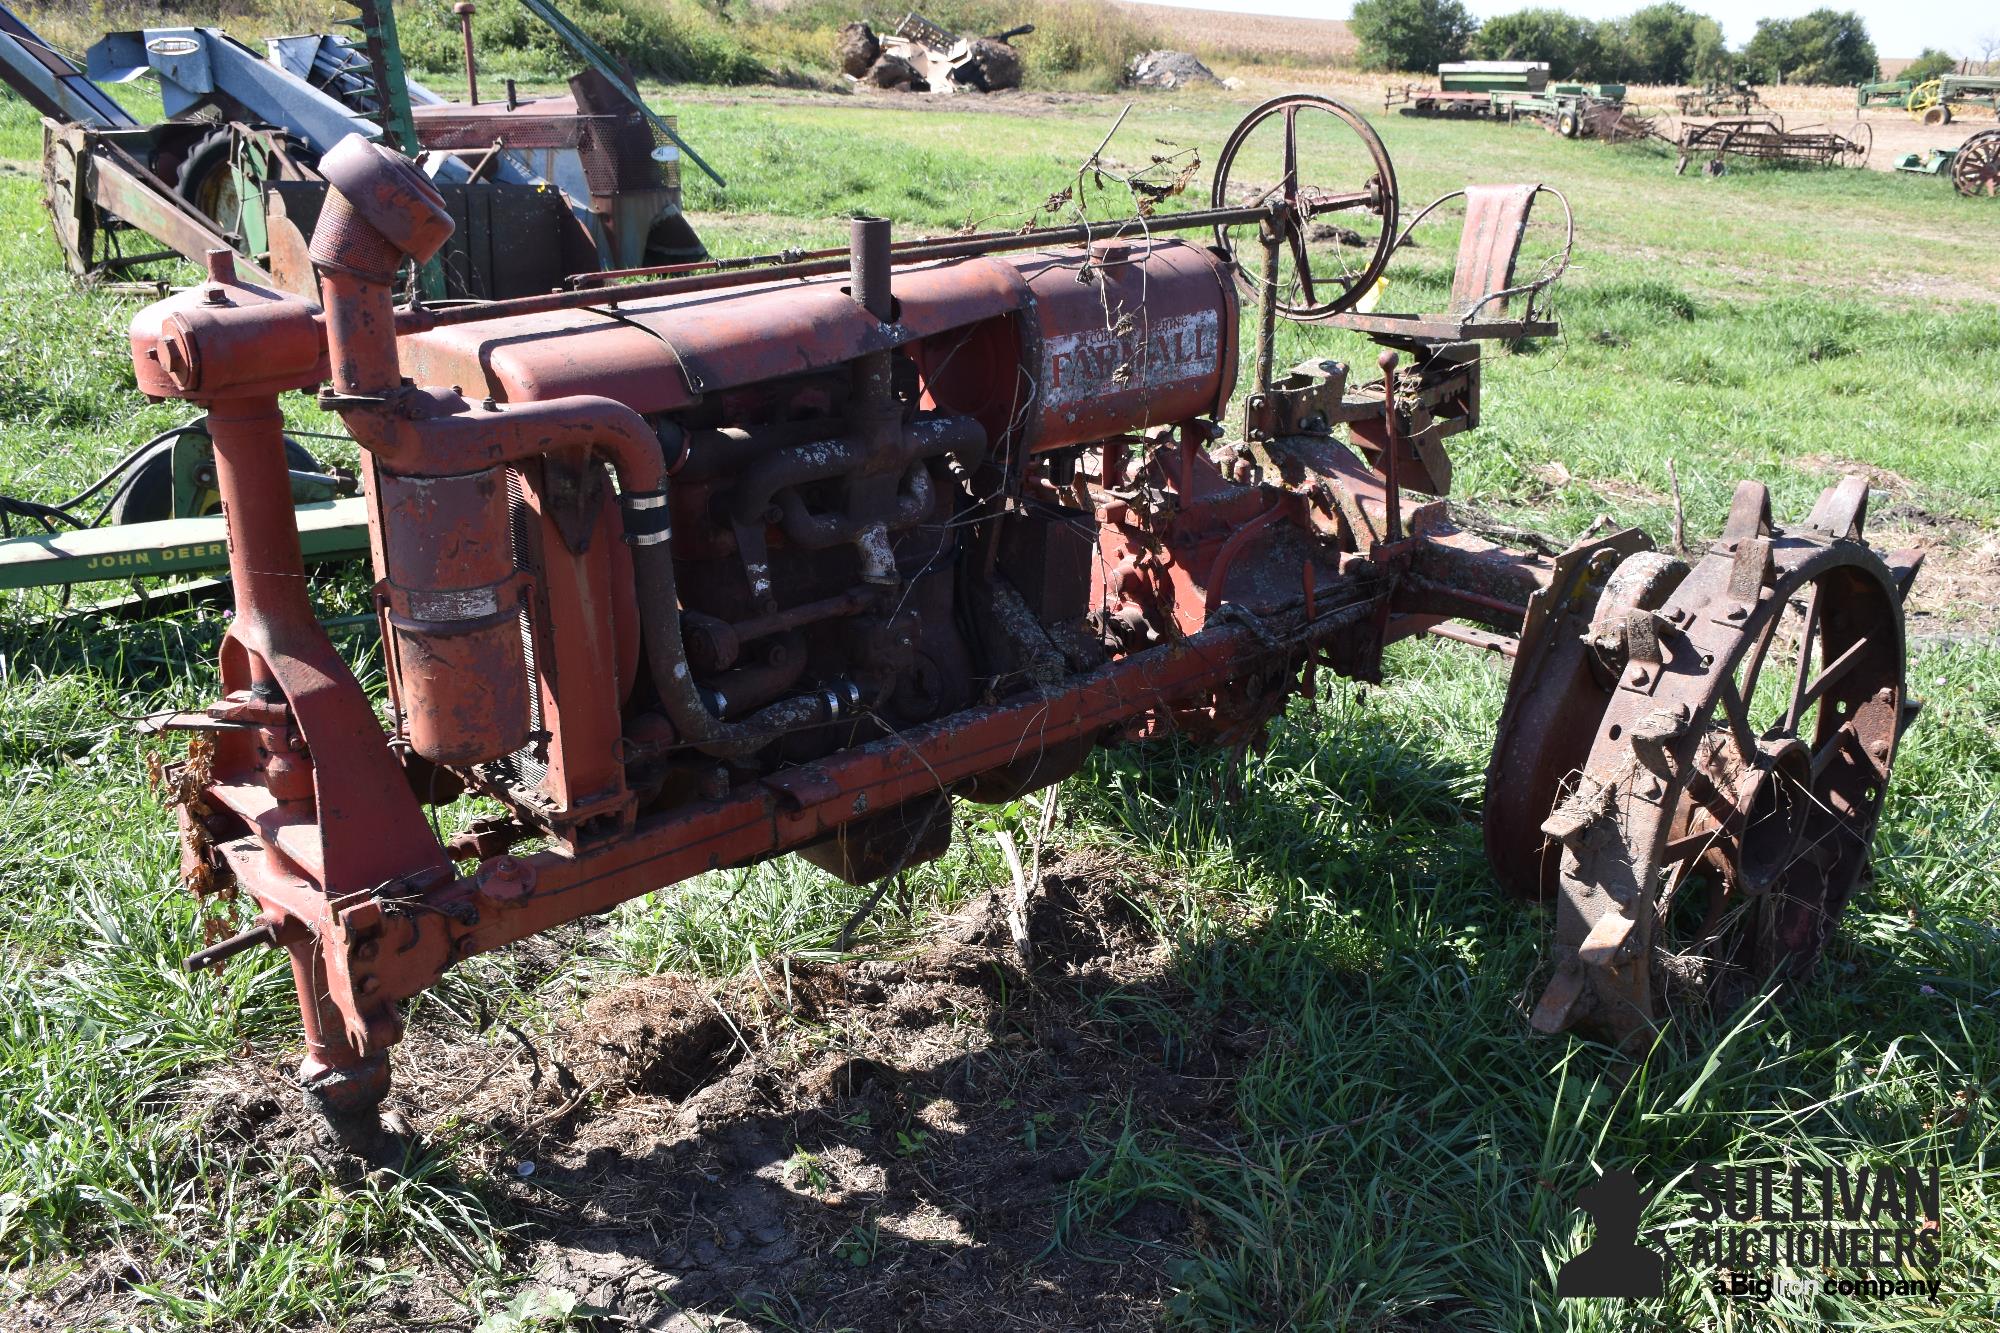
x=1937, y=101
x=1973, y=166
x=1516, y=90
x=1888, y=92
x=153, y=515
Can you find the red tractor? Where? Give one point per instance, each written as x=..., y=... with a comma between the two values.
x=695, y=571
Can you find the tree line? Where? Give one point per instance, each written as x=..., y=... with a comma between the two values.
x=1662, y=43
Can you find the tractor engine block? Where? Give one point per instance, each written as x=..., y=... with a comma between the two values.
x=873, y=518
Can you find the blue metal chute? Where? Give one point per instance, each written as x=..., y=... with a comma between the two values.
x=51, y=83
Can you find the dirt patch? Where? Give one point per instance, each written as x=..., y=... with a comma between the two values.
x=878, y=1144
x=1886, y=484
x=1956, y=597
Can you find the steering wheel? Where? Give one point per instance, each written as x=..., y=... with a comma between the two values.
x=1324, y=267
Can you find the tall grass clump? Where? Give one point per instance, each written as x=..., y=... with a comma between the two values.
x=668, y=39
x=71, y=26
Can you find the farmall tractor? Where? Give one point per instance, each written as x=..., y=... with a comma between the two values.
x=700, y=570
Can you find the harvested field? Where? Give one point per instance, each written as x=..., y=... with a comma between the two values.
x=1258, y=38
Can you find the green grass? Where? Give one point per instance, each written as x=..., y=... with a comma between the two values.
x=1405, y=1148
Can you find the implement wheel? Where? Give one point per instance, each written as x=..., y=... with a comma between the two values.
x=208, y=183
x=1857, y=145
x=1975, y=171
x=146, y=494
x=1724, y=815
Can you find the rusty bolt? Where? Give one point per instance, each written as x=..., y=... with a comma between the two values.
x=1653, y=790
x=214, y=295
x=1640, y=675
x=489, y=404
x=176, y=357
x=370, y=984
x=1736, y=613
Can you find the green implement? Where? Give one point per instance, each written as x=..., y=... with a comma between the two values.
x=331, y=530
x=1889, y=92
x=1937, y=162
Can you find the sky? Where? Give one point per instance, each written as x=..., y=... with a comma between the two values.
x=1899, y=27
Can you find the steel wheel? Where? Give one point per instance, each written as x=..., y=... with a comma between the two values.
x=1305, y=138
x=1561, y=683
x=1724, y=816
x=1923, y=97
x=1859, y=145
x=1976, y=169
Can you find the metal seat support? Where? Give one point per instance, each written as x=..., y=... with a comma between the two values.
x=1489, y=247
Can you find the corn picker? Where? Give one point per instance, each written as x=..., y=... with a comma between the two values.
x=539, y=190
x=698, y=570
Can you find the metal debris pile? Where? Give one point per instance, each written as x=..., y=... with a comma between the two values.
x=1170, y=69
x=921, y=57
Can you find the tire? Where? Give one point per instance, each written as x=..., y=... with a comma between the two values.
x=146, y=495
x=206, y=185
x=1568, y=125
x=672, y=240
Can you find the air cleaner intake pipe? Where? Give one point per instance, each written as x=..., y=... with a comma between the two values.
x=380, y=212
x=876, y=418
